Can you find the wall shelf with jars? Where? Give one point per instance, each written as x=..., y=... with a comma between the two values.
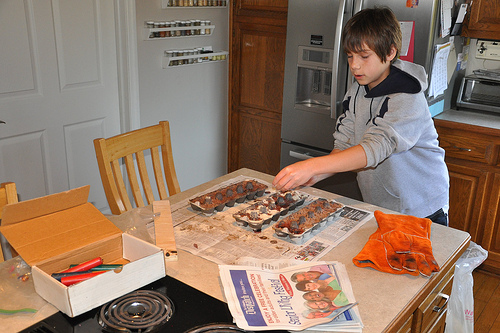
x=193, y=3
x=200, y=55
x=174, y=29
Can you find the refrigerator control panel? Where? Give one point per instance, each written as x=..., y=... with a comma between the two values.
x=315, y=57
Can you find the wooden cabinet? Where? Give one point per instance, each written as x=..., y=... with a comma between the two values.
x=432, y=311
x=483, y=20
x=472, y=156
x=439, y=325
x=258, y=37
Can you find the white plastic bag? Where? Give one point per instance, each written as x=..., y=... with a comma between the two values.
x=460, y=317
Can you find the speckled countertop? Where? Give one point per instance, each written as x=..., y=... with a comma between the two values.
x=384, y=299
x=478, y=118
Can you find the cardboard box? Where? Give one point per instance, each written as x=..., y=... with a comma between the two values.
x=52, y=232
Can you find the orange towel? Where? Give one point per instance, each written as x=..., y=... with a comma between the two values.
x=401, y=245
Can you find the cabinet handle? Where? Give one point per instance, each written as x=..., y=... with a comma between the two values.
x=446, y=297
x=462, y=149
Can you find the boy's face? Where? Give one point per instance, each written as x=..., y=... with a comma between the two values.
x=367, y=68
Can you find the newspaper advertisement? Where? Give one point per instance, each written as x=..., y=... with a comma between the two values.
x=219, y=239
x=316, y=295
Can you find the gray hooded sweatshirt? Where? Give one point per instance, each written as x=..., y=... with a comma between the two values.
x=405, y=169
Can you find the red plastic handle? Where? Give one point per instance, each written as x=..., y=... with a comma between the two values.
x=69, y=280
x=85, y=266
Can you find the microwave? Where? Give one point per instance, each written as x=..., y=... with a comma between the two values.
x=479, y=93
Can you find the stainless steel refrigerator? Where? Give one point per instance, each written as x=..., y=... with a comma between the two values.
x=317, y=75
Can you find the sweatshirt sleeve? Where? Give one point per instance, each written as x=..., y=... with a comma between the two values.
x=396, y=128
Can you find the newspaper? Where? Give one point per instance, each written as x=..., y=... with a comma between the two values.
x=219, y=239
x=314, y=296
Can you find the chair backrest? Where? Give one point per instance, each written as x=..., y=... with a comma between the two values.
x=131, y=146
x=8, y=195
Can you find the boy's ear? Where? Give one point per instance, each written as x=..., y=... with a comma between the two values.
x=392, y=54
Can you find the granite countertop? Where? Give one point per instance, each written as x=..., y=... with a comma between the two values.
x=471, y=117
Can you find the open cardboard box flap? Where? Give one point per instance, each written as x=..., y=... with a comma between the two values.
x=56, y=224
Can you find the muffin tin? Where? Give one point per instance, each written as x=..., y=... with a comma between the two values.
x=268, y=209
x=303, y=223
x=215, y=201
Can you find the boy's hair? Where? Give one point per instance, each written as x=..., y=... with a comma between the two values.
x=377, y=27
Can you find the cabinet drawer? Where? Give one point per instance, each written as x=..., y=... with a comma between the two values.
x=435, y=304
x=438, y=326
x=471, y=149
x=468, y=146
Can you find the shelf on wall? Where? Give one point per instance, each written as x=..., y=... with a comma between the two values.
x=194, y=4
x=148, y=32
x=197, y=59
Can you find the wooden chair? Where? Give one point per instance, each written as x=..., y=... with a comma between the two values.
x=127, y=146
x=8, y=195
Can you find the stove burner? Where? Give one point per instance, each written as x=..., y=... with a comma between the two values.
x=139, y=311
x=217, y=328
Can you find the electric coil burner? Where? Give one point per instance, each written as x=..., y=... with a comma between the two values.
x=166, y=305
x=217, y=328
x=139, y=311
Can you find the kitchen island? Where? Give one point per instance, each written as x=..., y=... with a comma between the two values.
x=387, y=302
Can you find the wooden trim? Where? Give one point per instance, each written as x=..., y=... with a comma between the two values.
x=467, y=127
x=269, y=115
x=277, y=9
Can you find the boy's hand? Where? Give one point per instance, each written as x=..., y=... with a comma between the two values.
x=294, y=175
x=311, y=171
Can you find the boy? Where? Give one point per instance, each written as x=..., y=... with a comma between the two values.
x=386, y=132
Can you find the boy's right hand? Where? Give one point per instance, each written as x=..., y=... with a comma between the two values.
x=297, y=174
x=291, y=176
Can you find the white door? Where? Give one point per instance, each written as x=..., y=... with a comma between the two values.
x=58, y=91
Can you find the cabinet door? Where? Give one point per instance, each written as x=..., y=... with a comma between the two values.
x=491, y=237
x=484, y=20
x=258, y=37
x=467, y=188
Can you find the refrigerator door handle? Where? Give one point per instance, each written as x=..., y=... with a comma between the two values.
x=358, y=5
x=301, y=156
x=336, y=58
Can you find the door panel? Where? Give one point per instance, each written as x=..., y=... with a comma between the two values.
x=262, y=70
x=260, y=142
x=467, y=187
x=62, y=92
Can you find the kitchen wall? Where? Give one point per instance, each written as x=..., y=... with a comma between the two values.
x=193, y=98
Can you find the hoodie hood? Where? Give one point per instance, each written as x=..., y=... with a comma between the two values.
x=404, y=77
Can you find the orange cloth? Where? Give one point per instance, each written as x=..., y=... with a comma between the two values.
x=401, y=245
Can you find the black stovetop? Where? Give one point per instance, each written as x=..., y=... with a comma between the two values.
x=192, y=308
